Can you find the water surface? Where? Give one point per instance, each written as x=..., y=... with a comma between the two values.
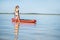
x=47, y=27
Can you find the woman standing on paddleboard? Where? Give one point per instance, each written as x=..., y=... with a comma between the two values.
x=17, y=17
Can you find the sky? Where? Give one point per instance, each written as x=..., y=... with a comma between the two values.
x=31, y=6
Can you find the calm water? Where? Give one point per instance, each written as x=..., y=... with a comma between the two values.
x=47, y=27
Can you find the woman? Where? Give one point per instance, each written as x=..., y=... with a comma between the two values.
x=17, y=17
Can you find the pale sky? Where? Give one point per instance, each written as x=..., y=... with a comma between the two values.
x=31, y=6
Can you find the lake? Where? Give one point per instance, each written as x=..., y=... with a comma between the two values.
x=47, y=27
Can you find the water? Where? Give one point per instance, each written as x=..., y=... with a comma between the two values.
x=47, y=27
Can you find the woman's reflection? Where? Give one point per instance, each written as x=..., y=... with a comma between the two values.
x=16, y=31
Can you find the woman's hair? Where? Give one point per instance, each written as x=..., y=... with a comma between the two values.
x=17, y=6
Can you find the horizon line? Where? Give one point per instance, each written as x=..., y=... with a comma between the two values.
x=32, y=13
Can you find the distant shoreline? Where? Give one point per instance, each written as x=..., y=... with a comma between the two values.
x=32, y=13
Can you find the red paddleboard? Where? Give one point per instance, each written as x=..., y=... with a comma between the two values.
x=24, y=20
